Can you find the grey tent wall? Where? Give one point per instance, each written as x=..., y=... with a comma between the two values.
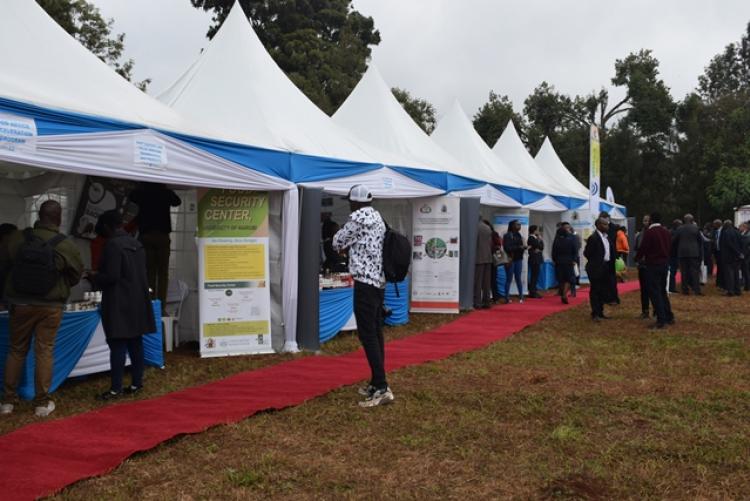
x=308, y=294
x=468, y=248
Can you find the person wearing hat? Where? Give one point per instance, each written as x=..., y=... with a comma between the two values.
x=126, y=307
x=363, y=235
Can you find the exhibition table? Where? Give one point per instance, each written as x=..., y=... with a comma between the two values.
x=337, y=308
x=80, y=349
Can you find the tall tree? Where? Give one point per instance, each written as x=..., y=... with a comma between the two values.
x=729, y=72
x=492, y=118
x=420, y=110
x=322, y=45
x=552, y=114
x=85, y=23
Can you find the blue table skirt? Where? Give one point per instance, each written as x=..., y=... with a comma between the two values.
x=73, y=336
x=337, y=306
x=547, y=279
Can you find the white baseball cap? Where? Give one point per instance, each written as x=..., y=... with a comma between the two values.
x=360, y=193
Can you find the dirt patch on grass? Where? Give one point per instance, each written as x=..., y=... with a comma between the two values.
x=565, y=409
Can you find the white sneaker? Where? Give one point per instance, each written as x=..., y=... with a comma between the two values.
x=6, y=409
x=380, y=397
x=366, y=390
x=46, y=410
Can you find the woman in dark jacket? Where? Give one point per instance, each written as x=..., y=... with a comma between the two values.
x=536, y=259
x=127, y=313
x=565, y=256
x=515, y=249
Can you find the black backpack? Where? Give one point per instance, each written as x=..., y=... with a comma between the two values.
x=396, y=256
x=34, y=270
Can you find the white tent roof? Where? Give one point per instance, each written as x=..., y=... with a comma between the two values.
x=548, y=160
x=237, y=85
x=456, y=134
x=374, y=114
x=511, y=150
x=44, y=66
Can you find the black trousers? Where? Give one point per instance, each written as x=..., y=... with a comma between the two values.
x=690, y=269
x=731, y=271
x=118, y=348
x=657, y=292
x=598, y=294
x=643, y=283
x=746, y=273
x=482, y=284
x=719, y=271
x=368, y=311
x=535, y=265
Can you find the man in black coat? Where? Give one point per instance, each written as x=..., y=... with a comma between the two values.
x=600, y=255
x=718, y=226
x=688, y=243
x=745, y=234
x=126, y=309
x=730, y=243
x=642, y=276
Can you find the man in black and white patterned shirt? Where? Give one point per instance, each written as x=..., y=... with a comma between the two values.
x=363, y=236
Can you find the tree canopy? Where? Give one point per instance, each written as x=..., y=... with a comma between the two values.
x=494, y=115
x=420, y=110
x=322, y=45
x=85, y=23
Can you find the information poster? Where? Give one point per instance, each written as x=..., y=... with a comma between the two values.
x=99, y=195
x=501, y=222
x=235, y=296
x=435, y=256
x=17, y=135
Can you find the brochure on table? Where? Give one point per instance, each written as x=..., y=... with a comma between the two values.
x=234, y=289
x=435, y=259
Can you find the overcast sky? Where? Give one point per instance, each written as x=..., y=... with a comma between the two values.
x=446, y=49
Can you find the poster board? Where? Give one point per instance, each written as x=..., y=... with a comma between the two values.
x=99, y=195
x=435, y=255
x=234, y=286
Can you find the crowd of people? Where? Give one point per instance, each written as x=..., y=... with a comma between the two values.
x=40, y=265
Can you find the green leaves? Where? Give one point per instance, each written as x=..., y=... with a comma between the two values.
x=420, y=110
x=322, y=45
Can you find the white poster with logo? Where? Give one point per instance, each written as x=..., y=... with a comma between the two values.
x=234, y=286
x=435, y=255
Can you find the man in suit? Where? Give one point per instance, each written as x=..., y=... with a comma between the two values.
x=688, y=243
x=654, y=252
x=730, y=243
x=612, y=296
x=717, y=254
x=745, y=234
x=482, y=284
x=600, y=256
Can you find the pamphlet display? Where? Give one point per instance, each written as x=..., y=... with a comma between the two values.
x=234, y=285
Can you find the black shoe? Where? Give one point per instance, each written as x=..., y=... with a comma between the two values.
x=645, y=315
x=109, y=395
x=132, y=389
x=596, y=319
x=657, y=325
x=605, y=317
x=565, y=300
x=670, y=321
x=506, y=300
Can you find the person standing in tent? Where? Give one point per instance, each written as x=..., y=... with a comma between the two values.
x=43, y=265
x=515, y=249
x=126, y=308
x=536, y=259
x=363, y=235
x=154, y=201
x=483, y=266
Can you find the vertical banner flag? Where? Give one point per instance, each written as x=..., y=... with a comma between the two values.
x=234, y=288
x=595, y=168
x=435, y=261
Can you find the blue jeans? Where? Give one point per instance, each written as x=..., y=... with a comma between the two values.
x=514, y=269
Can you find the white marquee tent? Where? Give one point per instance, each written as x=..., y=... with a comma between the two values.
x=236, y=85
x=64, y=110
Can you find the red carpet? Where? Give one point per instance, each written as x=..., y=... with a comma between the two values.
x=41, y=459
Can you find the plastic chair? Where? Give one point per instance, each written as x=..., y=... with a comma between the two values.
x=177, y=292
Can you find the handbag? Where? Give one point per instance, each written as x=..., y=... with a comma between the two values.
x=499, y=257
